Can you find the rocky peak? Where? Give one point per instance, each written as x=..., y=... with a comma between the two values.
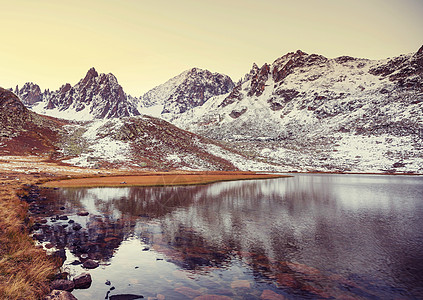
x=288, y=63
x=254, y=70
x=65, y=88
x=91, y=74
x=195, y=89
x=29, y=94
x=95, y=96
x=405, y=70
x=258, y=81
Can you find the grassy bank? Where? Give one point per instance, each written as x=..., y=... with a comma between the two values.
x=24, y=268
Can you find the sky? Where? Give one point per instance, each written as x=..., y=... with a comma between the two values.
x=145, y=43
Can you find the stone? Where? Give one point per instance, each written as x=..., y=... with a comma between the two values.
x=240, y=284
x=271, y=295
x=188, y=292
x=90, y=264
x=76, y=227
x=63, y=285
x=60, y=295
x=212, y=297
x=82, y=281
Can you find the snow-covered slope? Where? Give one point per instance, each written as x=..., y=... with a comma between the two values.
x=314, y=113
x=96, y=96
x=189, y=89
x=148, y=142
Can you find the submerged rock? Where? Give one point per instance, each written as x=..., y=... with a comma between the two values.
x=90, y=264
x=271, y=295
x=126, y=297
x=60, y=295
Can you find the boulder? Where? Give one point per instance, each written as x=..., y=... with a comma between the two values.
x=63, y=285
x=82, y=281
x=90, y=264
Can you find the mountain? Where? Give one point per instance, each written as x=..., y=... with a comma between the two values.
x=96, y=96
x=23, y=131
x=308, y=112
x=189, y=89
x=126, y=142
x=31, y=94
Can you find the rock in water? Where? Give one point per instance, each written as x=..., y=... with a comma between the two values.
x=63, y=285
x=125, y=297
x=82, y=281
x=90, y=264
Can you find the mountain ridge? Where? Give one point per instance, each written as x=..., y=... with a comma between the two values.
x=96, y=96
x=310, y=112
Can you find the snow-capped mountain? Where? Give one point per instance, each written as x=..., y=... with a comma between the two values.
x=310, y=112
x=189, y=89
x=96, y=96
x=126, y=142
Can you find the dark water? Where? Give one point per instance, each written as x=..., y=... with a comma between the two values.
x=306, y=237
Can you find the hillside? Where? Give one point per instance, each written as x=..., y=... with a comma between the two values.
x=23, y=131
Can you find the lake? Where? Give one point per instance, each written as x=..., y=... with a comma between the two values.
x=311, y=236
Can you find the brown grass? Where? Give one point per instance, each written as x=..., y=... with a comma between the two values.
x=24, y=269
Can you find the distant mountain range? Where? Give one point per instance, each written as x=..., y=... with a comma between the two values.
x=96, y=96
x=301, y=112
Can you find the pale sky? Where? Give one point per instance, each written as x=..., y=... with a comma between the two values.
x=144, y=42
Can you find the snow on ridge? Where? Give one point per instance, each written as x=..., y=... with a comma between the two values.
x=102, y=147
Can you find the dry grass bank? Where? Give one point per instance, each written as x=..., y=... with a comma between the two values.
x=24, y=269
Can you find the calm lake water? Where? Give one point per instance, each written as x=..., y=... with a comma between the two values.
x=305, y=237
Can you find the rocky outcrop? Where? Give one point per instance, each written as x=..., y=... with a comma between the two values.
x=190, y=89
x=97, y=95
x=30, y=93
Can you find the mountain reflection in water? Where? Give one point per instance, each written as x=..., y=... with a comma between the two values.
x=311, y=236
